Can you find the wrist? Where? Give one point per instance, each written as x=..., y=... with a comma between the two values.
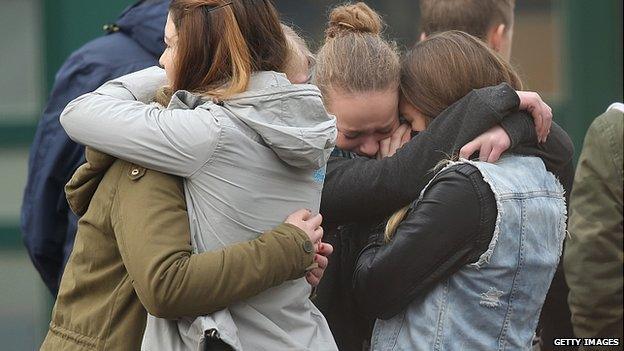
x=143, y=84
x=520, y=128
x=297, y=244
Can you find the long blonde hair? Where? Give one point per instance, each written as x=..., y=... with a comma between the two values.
x=355, y=58
x=442, y=69
x=300, y=58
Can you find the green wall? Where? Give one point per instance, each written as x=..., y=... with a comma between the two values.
x=592, y=63
x=71, y=23
x=67, y=25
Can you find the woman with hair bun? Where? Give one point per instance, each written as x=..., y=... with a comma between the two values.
x=358, y=72
x=251, y=147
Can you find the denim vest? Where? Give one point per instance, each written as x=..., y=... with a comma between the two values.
x=494, y=303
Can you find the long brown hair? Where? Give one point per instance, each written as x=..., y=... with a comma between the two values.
x=355, y=57
x=220, y=43
x=442, y=69
x=445, y=67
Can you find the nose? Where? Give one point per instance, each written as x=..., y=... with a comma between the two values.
x=161, y=59
x=369, y=147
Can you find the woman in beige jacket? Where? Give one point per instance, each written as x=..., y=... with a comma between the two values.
x=133, y=255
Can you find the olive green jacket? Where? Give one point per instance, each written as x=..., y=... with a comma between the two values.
x=593, y=253
x=133, y=255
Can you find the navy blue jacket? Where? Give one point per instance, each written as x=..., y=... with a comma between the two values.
x=48, y=226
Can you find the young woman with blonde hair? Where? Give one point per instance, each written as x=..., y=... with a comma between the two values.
x=358, y=72
x=250, y=146
x=300, y=59
x=468, y=264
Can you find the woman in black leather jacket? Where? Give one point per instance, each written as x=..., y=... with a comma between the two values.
x=453, y=222
x=360, y=192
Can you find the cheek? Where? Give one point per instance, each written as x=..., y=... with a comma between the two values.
x=166, y=62
x=419, y=124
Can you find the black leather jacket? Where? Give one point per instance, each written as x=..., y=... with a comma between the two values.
x=450, y=227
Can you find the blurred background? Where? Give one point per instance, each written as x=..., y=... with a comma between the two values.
x=570, y=51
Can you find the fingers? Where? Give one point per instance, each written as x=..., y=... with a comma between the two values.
x=491, y=145
x=312, y=279
x=318, y=234
x=315, y=275
x=315, y=221
x=484, y=152
x=298, y=216
x=322, y=262
x=540, y=111
x=407, y=136
x=325, y=249
x=548, y=119
x=539, y=123
x=389, y=146
x=384, y=147
x=495, y=154
x=396, y=140
x=470, y=148
x=309, y=224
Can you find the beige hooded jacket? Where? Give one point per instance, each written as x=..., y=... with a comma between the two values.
x=133, y=254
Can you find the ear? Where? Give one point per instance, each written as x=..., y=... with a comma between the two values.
x=423, y=36
x=496, y=37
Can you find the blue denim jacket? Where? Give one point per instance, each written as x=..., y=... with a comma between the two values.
x=494, y=303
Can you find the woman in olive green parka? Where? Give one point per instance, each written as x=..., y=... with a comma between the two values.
x=133, y=255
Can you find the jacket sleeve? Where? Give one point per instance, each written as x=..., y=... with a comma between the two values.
x=593, y=252
x=557, y=152
x=46, y=221
x=361, y=188
x=117, y=119
x=427, y=246
x=170, y=281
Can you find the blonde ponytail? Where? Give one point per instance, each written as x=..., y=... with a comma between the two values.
x=394, y=221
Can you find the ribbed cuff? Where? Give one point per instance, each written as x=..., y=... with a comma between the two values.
x=520, y=128
x=302, y=245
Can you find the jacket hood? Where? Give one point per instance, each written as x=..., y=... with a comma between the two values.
x=83, y=184
x=144, y=22
x=290, y=118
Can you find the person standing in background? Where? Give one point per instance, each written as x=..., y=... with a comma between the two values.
x=593, y=256
x=48, y=227
x=492, y=21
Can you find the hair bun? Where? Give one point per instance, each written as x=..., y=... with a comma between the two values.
x=357, y=17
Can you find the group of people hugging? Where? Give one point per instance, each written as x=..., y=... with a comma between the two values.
x=247, y=194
